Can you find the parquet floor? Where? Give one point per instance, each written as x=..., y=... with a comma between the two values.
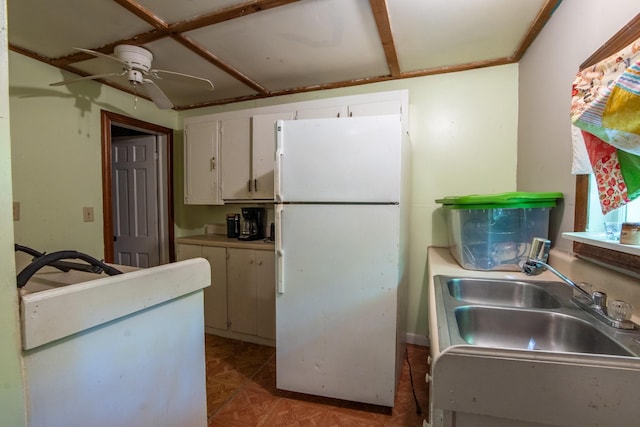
x=241, y=392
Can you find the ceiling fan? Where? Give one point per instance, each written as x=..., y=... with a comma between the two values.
x=136, y=65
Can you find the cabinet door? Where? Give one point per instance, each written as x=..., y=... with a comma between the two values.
x=235, y=143
x=241, y=288
x=266, y=289
x=322, y=112
x=375, y=108
x=215, y=296
x=263, y=148
x=188, y=251
x=201, y=171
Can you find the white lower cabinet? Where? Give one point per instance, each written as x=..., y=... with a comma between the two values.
x=215, y=296
x=251, y=287
x=240, y=303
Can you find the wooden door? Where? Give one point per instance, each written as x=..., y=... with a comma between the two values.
x=135, y=201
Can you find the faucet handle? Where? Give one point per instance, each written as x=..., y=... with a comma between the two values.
x=539, y=249
x=600, y=300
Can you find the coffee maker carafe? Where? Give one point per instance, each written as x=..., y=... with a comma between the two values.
x=252, y=227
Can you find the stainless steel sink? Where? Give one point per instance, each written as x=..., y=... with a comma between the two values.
x=501, y=292
x=533, y=330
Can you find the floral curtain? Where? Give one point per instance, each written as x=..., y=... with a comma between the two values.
x=605, y=113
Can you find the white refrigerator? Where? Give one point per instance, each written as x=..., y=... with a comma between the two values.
x=340, y=257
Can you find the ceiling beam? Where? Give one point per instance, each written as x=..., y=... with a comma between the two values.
x=143, y=13
x=227, y=14
x=536, y=26
x=175, y=30
x=381, y=15
x=213, y=59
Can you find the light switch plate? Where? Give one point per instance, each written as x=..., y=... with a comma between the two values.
x=16, y=211
x=87, y=214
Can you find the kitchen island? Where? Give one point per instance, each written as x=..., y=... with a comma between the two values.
x=123, y=350
x=472, y=385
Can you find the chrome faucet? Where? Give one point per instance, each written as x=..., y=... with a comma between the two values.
x=593, y=302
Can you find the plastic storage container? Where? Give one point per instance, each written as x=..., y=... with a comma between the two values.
x=494, y=232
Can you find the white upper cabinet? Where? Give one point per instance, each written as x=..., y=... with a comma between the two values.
x=202, y=163
x=246, y=140
x=248, y=149
x=236, y=158
x=330, y=112
x=263, y=148
x=375, y=108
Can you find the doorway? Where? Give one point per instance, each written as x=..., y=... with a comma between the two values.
x=137, y=191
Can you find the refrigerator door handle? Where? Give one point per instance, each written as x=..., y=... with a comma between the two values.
x=280, y=278
x=279, y=251
x=278, y=165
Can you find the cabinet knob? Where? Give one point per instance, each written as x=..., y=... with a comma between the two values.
x=259, y=262
x=249, y=185
x=213, y=163
x=250, y=261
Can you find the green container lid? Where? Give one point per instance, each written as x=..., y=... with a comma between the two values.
x=518, y=199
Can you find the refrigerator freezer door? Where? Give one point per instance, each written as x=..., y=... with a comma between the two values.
x=353, y=160
x=336, y=316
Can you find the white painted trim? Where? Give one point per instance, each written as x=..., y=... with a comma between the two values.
x=416, y=339
x=599, y=239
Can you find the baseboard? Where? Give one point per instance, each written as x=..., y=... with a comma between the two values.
x=416, y=339
x=240, y=337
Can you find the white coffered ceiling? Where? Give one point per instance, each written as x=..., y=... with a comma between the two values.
x=262, y=48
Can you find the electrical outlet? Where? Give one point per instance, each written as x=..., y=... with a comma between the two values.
x=16, y=211
x=87, y=214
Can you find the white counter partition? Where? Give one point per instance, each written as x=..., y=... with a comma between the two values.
x=126, y=350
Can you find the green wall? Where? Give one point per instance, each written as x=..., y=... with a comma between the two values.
x=56, y=153
x=12, y=403
x=462, y=126
x=463, y=129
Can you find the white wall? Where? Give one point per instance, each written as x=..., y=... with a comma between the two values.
x=547, y=70
x=12, y=405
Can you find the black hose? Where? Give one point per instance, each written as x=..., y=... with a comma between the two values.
x=413, y=389
x=53, y=257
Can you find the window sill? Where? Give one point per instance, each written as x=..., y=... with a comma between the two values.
x=599, y=240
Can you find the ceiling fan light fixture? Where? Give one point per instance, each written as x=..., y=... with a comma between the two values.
x=136, y=64
x=136, y=57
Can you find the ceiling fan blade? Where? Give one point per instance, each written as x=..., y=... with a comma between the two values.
x=157, y=95
x=102, y=55
x=95, y=76
x=173, y=73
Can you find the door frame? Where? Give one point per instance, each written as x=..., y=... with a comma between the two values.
x=107, y=119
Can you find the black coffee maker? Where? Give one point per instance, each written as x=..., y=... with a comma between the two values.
x=252, y=227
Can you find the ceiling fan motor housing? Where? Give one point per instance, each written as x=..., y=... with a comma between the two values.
x=138, y=58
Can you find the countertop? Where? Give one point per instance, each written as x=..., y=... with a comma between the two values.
x=221, y=240
x=520, y=387
x=74, y=305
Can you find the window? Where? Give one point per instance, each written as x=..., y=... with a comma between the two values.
x=627, y=258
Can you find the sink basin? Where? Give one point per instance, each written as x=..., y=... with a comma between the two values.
x=533, y=330
x=501, y=292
